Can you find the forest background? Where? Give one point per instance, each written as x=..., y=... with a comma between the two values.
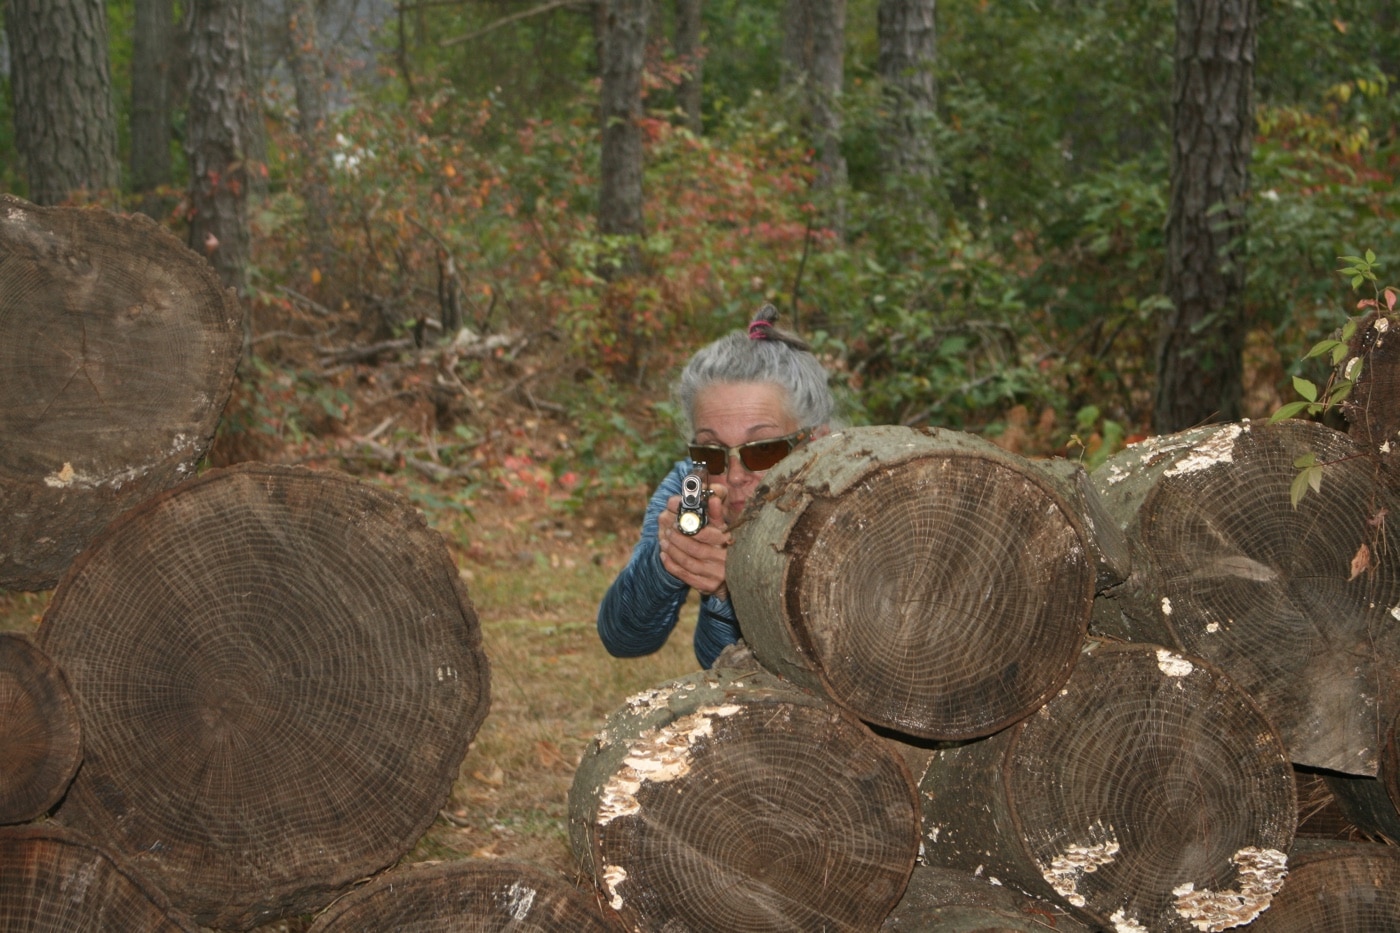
x=439, y=302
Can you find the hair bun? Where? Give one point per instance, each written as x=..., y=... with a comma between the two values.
x=761, y=327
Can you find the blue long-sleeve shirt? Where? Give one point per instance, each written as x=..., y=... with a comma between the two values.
x=642, y=605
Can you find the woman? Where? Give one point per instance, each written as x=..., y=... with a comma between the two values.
x=748, y=399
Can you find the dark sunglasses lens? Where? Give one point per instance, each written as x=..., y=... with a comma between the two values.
x=764, y=455
x=711, y=458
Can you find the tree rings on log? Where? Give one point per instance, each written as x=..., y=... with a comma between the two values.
x=1150, y=794
x=278, y=672
x=470, y=896
x=1336, y=886
x=118, y=347
x=1300, y=606
x=927, y=581
x=39, y=731
x=53, y=880
x=943, y=900
x=731, y=800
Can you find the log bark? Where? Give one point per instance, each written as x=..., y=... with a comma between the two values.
x=949, y=901
x=470, y=896
x=1372, y=410
x=730, y=800
x=1372, y=805
x=1226, y=568
x=39, y=731
x=118, y=348
x=1151, y=790
x=53, y=880
x=278, y=672
x=927, y=581
x=1336, y=886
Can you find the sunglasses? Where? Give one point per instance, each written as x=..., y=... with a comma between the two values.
x=756, y=456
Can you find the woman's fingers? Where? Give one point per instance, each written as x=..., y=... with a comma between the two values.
x=698, y=560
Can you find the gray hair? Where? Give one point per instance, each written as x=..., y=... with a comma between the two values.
x=760, y=354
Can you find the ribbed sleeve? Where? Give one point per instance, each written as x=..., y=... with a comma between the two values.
x=642, y=605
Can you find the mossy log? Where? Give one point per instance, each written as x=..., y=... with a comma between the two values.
x=928, y=581
x=1299, y=605
x=40, y=734
x=278, y=673
x=55, y=880
x=944, y=900
x=118, y=347
x=732, y=800
x=469, y=896
x=1336, y=887
x=1151, y=791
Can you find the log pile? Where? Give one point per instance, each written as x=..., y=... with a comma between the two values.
x=1107, y=680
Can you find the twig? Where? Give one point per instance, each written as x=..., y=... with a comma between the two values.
x=801, y=267
x=507, y=20
x=307, y=302
x=359, y=354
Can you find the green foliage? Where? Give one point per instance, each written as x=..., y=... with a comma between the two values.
x=1316, y=400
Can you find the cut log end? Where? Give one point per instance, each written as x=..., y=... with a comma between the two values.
x=39, y=731
x=931, y=584
x=468, y=895
x=736, y=802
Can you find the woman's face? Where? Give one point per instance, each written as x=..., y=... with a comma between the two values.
x=728, y=414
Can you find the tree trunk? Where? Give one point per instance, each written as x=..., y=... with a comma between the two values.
x=1336, y=886
x=1225, y=567
x=468, y=894
x=216, y=143
x=1149, y=794
x=691, y=53
x=908, y=52
x=65, y=123
x=796, y=63
x=152, y=73
x=118, y=347
x=39, y=732
x=309, y=77
x=828, y=66
x=929, y=582
x=620, y=197
x=278, y=673
x=54, y=879
x=952, y=901
x=1201, y=341
x=730, y=800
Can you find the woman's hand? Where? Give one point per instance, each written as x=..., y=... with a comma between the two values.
x=697, y=560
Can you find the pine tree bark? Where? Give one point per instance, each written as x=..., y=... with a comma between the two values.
x=1200, y=344
x=152, y=73
x=65, y=122
x=217, y=143
x=828, y=66
x=906, y=59
x=623, y=56
x=692, y=58
x=308, y=76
